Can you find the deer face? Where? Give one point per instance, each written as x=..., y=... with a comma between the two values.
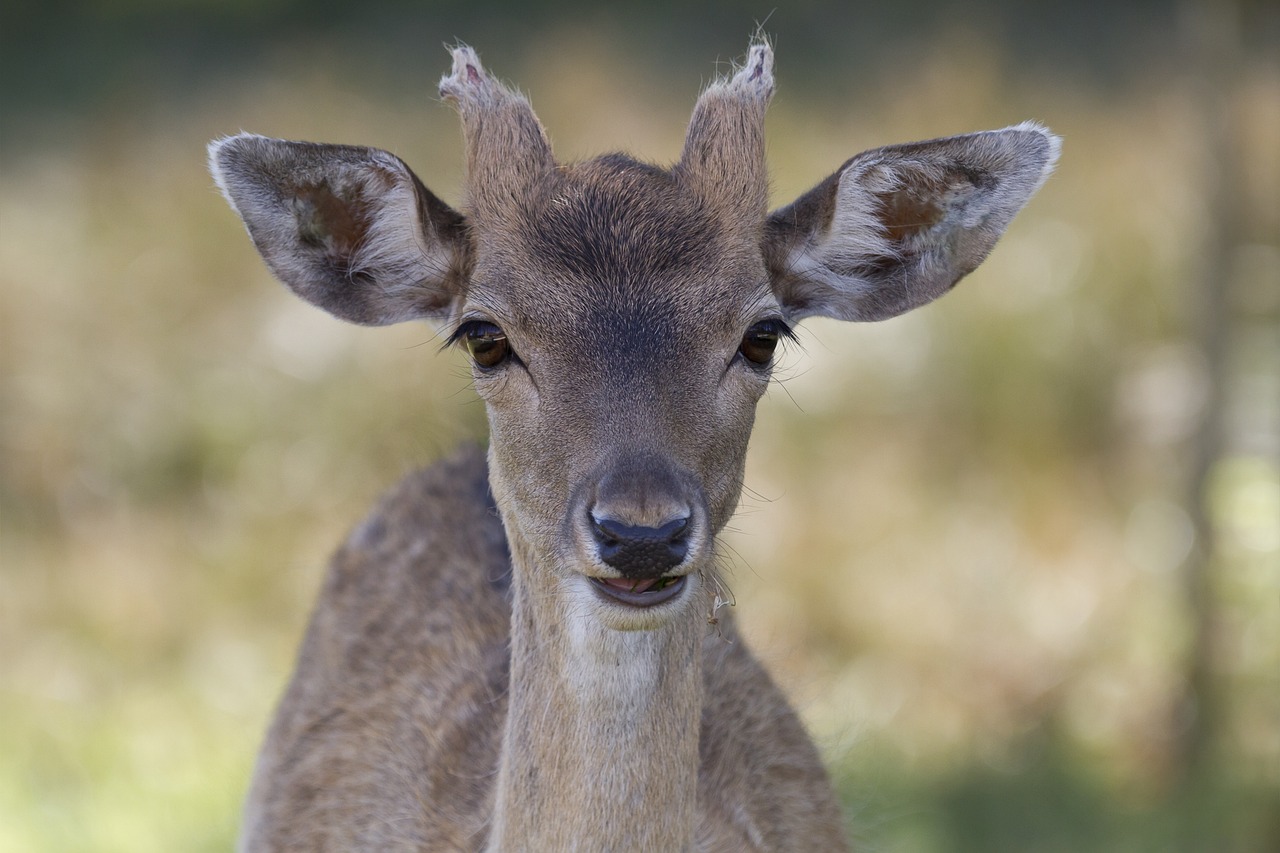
x=621, y=335
x=622, y=318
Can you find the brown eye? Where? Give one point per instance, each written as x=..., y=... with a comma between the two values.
x=760, y=341
x=486, y=343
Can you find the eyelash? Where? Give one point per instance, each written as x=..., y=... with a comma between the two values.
x=485, y=342
x=762, y=339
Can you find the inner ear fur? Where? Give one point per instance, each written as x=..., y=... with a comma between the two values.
x=896, y=227
x=350, y=229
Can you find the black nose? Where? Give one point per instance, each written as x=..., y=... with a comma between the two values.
x=640, y=553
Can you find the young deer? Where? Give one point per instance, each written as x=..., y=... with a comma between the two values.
x=514, y=653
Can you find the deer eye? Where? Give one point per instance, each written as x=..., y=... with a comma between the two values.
x=485, y=342
x=761, y=340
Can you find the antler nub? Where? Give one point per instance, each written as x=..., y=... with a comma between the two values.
x=468, y=79
x=507, y=149
x=756, y=75
x=724, y=150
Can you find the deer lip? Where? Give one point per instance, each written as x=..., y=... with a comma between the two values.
x=639, y=593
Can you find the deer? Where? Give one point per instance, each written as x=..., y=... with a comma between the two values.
x=520, y=648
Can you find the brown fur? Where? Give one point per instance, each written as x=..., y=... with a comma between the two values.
x=465, y=683
x=393, y=720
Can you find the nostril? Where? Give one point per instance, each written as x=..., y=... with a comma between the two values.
x=606, y=530
x=675, y=529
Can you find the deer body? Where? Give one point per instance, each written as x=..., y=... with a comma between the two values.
x=515, y=653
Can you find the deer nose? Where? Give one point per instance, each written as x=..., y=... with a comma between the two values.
x=641, y=553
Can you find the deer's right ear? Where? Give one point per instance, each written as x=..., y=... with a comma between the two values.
x=351, y=230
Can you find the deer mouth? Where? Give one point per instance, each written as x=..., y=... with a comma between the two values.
x=640, y=593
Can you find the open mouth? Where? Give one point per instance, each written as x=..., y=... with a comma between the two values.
x=641, y=593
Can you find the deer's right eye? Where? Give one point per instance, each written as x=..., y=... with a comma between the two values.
x=761, y=340
x=485, y=342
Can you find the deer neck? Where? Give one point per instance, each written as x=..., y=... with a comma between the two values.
x=600, y=750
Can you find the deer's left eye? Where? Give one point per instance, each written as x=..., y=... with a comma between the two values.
x=760, y=341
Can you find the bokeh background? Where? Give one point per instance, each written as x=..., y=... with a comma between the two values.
x=1016, y=556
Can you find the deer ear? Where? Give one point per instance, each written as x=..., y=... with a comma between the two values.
x=349, y=229
x=897, y=227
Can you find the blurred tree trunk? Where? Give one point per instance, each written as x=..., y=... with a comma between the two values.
x=1211, y=34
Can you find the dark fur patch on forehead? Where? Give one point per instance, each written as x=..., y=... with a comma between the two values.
x=615, y=221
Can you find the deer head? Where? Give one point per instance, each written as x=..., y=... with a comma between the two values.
x=622, y=318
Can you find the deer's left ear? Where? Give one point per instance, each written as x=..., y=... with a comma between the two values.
x=897, y=227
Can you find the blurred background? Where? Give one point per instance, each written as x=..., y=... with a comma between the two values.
x=1015, y=556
